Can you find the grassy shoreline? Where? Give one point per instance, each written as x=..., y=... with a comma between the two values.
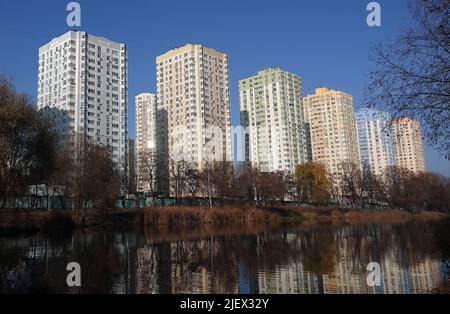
x=335, y=215
x=35, y=221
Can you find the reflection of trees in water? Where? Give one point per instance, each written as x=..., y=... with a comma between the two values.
x=264, y=251
x=441, y=239
x=220, y=256
x=318, y=248
x=204, y=266
x=318, y=251
x=203, y=263
x=47, y=264
x=367, y=243
x=22, y=260
x=165, y=268
x=415, y=239
x=14, y=277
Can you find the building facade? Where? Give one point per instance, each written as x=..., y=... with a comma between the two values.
x=146, y=137
x=83, y=83
x=194, y=105
x=408, y=145
x=376, y=140
x=333, y=135
x=272, y=113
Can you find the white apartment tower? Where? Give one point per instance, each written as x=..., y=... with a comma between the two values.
x=83, y=84
x=376, y=140
x=271, y=111
x=193, y=104
x=334, y=140
x=146, y=146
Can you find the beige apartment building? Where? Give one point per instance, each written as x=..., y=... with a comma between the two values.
x=146, y=146
x=409, y=147
x=331, y=120
x=194, y=104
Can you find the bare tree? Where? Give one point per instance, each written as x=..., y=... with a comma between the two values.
x=411, y=76
x=59, y=181
x=27, y=144
x=221, y=179
x=103, y=178
x=352, y=183
x=193, y=183
x=433, y=194
x=269, y=187
x=392, y=185
x=371, y=186
x=177, y=178
x=207, y=187
x=243, y=189
x=89, y=184
x=147, y=171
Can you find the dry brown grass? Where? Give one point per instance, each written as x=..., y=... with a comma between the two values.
x=217, y=216
x=173, y=216
x=358, y=215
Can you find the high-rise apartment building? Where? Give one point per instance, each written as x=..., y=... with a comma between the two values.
x=376, y=140
x=146, y=146
x=271, y=110
x=409, y=146
x=194, y=104
x=334, y=140
x=83, y=82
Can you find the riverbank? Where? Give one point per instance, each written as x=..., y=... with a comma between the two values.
x=335, y=215
x=60, y=221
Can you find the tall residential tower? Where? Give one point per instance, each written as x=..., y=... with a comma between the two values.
x=271, y=110
x=334, y=140
x=146, y=146
x=409, y=146
x=194, y=104
x=83, y=84
x=376, y=140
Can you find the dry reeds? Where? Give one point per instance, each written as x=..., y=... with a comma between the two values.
x=174, y=216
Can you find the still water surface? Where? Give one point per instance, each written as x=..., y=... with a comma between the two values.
x=303, y=259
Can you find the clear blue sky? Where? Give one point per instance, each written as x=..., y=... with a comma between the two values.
x=326, y=42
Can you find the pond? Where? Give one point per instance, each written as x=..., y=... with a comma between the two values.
x=301, y=259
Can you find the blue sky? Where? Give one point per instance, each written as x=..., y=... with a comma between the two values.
x=326, y=42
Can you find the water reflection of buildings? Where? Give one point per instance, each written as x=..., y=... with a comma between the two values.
x=349, y=274
x=146, y=282
x=291, y=279
x=178, y=267
x=350, y=278
x=400, y=273
x=189, y=267
x=297, y=262
x=425, y=276
x=195, y=270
